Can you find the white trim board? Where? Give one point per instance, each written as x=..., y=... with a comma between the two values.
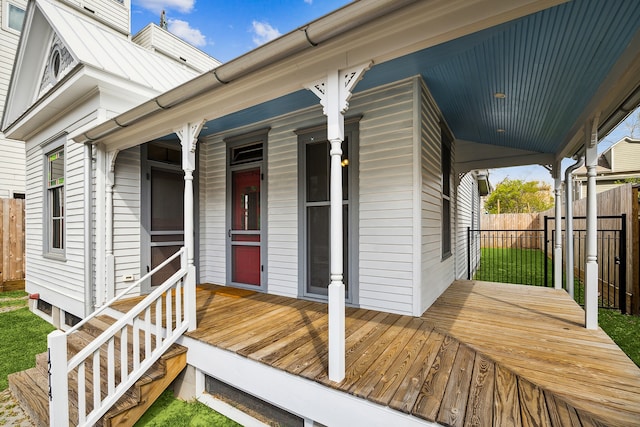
x=298, y=395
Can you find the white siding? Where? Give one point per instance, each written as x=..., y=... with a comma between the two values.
x=60, y=282
x=163, y=42
x=12, y=167
x=386, y=228
x=212, y=181
x=386, y=185
x=112, y=12
x=13, y=159
x=126, y=216
x=437, y=274
x=468, y=206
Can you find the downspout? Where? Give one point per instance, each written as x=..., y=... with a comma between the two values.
x=88, y=238
x=568, y=185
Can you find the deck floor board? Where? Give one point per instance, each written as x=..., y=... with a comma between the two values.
x=483, y=354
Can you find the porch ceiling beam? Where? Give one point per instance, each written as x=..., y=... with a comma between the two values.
x=378, y=30
x=473, y=155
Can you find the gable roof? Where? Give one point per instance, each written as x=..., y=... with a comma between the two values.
x=559, y=67
x=92, y=46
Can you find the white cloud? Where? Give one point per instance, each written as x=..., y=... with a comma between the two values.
x=183, y=6
x=308, y=1
x=263, y=32
x=183, y=30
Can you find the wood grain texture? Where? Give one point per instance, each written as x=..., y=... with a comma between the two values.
x=484, y=354
x=480, y=403
x=454, y=403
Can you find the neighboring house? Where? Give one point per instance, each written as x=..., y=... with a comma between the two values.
x=12, y=153
x=376, y=115
x=615, y=164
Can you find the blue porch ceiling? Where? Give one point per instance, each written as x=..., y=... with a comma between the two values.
x=549, y=65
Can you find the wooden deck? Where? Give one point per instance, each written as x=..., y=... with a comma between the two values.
x=483, y=354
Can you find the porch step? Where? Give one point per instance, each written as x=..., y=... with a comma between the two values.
x=31, y=387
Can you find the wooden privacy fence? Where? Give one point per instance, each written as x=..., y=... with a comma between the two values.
x=12, y=244
x=521, y=231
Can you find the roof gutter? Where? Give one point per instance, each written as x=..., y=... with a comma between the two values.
x=309, y=36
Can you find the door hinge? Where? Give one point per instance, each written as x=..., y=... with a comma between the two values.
x=261, y=177
x=262, y=268
x=148, y=176
x=148, y=269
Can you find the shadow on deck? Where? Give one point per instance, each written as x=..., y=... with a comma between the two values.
x=483, y=354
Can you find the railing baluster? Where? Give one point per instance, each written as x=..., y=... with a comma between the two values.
x=96, y=380
x=179, y=316
x=169, y=313
x=147, y=333
x=91, y=410
x=111, y=366
x=158, y=322
x=82, y=394
x=136, y=345
x=124, y=357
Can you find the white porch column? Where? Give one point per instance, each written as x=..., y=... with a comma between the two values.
x=557, y=246
x=568, y=189
x=110, y=261
x=101, y=229
x=188, y=135
x=591, y=251
x=334, y=92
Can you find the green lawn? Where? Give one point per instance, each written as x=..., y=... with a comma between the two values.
x=169, y=411
x=23, y=335
x=520, y=266
x=526, y=266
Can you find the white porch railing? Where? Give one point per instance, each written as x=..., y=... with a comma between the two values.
x=84, y=370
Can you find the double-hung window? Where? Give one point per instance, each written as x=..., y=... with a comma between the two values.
x=55, y=201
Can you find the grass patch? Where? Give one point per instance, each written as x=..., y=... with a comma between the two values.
x=23, y=335
x=519, y=266
x=12, y=294
x=624, y=330
x=169, y=411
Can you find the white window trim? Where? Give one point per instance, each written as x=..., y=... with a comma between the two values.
x=5, y=16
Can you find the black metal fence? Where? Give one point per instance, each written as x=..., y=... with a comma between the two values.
x=527, y=257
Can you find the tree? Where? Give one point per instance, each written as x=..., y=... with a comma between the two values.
x=517, y=196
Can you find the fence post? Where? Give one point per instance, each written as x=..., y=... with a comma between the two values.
x=622, y=268
x=468, y=253
x=546, y=250
x=58, y=382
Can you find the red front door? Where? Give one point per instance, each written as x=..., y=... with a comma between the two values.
x=245, y=227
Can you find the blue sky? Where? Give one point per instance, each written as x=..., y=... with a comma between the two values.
x=228, y=29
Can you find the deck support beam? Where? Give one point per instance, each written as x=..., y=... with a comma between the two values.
x=557, y=246
x=334, y=92
x=591, y=251
x=188, y=135
x=568, y=191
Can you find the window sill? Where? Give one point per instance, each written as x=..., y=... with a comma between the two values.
x=55, y=256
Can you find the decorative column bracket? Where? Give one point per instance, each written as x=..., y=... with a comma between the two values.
x=334, y=92
x=188, y=135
